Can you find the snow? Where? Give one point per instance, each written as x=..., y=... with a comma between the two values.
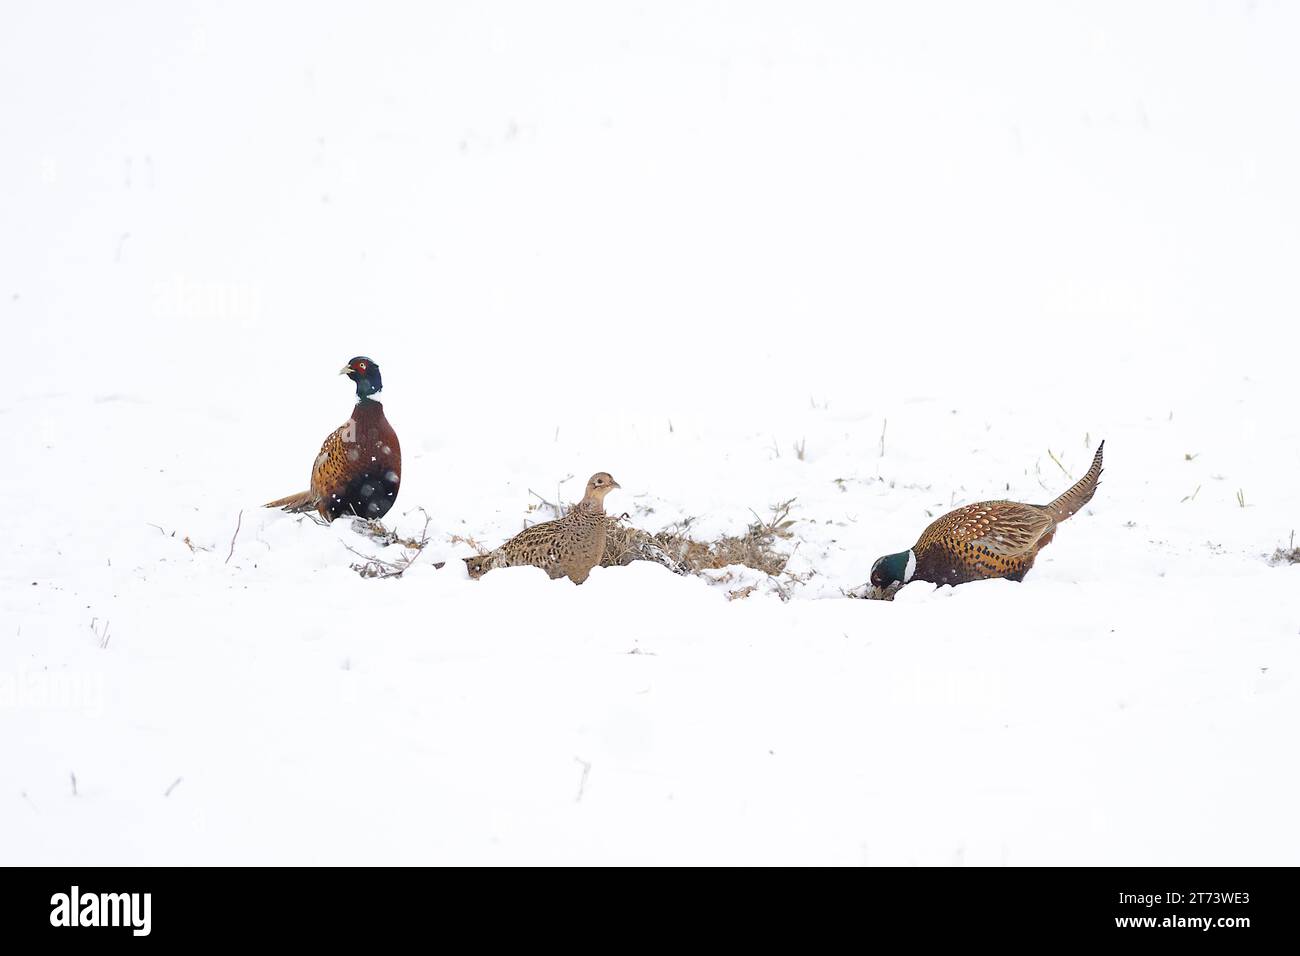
x=671, y=241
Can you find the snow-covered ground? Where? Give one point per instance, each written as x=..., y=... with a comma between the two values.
x=670, y=241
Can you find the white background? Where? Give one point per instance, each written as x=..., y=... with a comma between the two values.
x=670, y=241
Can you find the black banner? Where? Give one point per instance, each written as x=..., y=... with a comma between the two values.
x=1156, y=907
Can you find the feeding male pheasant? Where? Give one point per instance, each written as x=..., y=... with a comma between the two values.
x=566, y=547
x=991, y=539
x=360, y=464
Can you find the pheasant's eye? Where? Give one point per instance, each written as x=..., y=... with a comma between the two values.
x=361, y=366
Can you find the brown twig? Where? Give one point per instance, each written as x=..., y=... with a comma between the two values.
x=238, y=524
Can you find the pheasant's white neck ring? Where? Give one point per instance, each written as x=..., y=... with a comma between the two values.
x=911, y=566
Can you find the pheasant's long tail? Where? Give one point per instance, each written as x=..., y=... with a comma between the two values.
x=302, y=501
x=1081, y=492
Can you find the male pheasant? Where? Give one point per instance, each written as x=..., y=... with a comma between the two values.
x=360, y=464
x=991, y=539
x=566, y=547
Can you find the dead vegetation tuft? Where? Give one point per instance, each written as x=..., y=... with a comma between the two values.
x=757, y=548
x=625, y=544
x=386, y=537
x=373, y=566
x=1288, y=555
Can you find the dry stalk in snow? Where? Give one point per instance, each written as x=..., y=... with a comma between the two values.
x=372, y=566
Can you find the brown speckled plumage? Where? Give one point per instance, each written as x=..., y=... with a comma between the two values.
x=990, y=539
x=359, y=468
x=566, y=547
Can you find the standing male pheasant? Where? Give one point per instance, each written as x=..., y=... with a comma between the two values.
x=991, y=539
x=360, y=464
x=566, y=547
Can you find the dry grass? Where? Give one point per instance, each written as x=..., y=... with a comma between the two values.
x=625, y=544
x=1288, y=555
x=386, y=537
x=674, y=548
x=469, y=540
x=372, y=566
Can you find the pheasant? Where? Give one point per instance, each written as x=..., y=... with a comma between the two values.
x=566, y=547
x=360, y=464
x=990, y=539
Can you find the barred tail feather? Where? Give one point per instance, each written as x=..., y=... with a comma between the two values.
x=1081, y=493
x=302, y=501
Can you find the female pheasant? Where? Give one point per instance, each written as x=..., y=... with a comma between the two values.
x=566, y=547
x=991, y=539
x=360, y=464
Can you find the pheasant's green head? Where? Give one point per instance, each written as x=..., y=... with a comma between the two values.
x=893, y=568
x=365, y=373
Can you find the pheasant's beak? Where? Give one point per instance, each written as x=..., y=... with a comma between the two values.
x=614, y=484
x=347, y=369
